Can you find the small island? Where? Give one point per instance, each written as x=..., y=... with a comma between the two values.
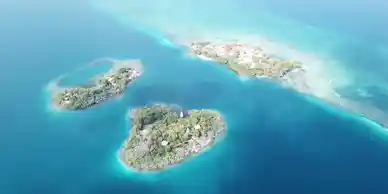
x=164, y=135
x=100, y=88
x=245, y=60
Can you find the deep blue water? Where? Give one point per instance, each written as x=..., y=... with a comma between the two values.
x=277, y=142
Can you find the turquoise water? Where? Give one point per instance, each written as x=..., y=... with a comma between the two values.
x=277, y=140
x=85, y=74
x=347, y=36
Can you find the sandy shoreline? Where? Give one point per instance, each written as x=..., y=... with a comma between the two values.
x=320, y=77
x=218, y=137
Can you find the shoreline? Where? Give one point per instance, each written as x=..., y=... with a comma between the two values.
x=131, y=169
x=343, y=111
x=334, y=74
x=316, y=80
x=222, y=127
x=338, y=74
x=53, y=88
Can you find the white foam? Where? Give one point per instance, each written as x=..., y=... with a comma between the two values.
x=244, y=78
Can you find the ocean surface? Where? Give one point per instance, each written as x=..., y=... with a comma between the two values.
x=277, y=141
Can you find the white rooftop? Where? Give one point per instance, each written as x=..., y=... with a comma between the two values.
x=164, y=143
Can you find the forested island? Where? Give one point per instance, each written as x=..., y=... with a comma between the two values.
x=99, y=89
x=163, y=135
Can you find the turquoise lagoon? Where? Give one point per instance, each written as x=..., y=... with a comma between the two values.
x=277, y=141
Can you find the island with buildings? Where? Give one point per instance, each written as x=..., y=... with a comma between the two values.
x=100, y=88
x=311, y=78
x=243, y=59
x=164, y=135
x=248, y=60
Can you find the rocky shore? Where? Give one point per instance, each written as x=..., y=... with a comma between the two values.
x=102, y=87
x=164, y=135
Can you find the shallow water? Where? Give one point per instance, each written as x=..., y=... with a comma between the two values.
x=354, y=54
x=84, y=76
x=277, y=141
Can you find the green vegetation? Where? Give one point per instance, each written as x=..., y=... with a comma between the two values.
x=163, y=135
x=106, y=86
x=234, y=56
x=273, y=69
